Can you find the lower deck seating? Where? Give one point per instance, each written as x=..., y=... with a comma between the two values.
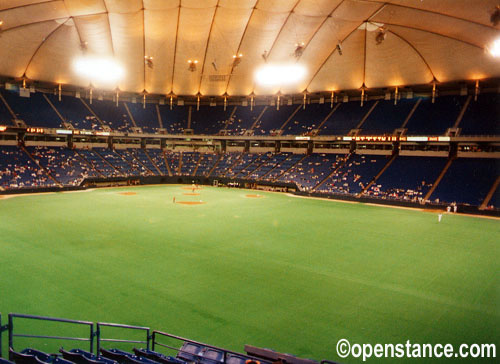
x=18, y=170
x=173, y=160
x=311, y=171
x=130, y=156
x=189, y=163
x=98, y=163
x=408, y=178
x=354, y=174
x=207, y=162
x=63, y=163
x=467, y=181
x=283, y=166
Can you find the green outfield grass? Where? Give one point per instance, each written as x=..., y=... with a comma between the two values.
x=282, y=272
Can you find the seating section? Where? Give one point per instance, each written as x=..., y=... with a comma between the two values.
x=18, y=170
x=482, y=117
x=115, y=117
x=98, y=163
x=175, y=120
x=272, y=119
x=143, y=157
x=189, y=163
x=158, y=158
x=307, y=119
x=346, y=117
x=145, y=118
x=268, y=165
x=408, y=178
x=75, y=113
x=495, y=199
x=243, y=166
x=434, y=118
x=243, y=119
x=386, y=117
x=209, y=120
x=63, y=163
x=173, y=160
x=130, y=156
x=207, y=162
x=353, y=174
x=33, y=110
x=467, y=181
x=79, y=356
x=225, y=163
x=283, y=166
x=311, y=171
x=5, y=115
x=32, y=356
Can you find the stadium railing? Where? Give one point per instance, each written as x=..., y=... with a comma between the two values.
x=12, y=335
x=121, y=326
x=225, y=352
x=151, y=338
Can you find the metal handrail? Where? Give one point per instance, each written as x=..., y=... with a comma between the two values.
x=12, y=335
x=122, y=326
x=224, y=351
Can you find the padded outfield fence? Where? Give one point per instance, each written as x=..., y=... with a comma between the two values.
x=151, y=339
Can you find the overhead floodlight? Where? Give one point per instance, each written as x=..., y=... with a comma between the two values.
x=495, y=16
x=381, y=35
x=192, y=65
x=280, y=75
x=148, y=61
x=84, y=46
x=339, y=47
x=264, y=56
x=494, y=49
x=299, y=49
x=99, y=69
x=237, y=59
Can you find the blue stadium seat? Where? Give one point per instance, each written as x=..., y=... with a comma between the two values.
x=158, y=357
x=124, y=357
x=79, y=356
x=190, y=352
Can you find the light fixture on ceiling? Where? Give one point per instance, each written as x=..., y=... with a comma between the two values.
x=237, y=59
x=280, y=74
x=495, y=16
x=299, y=49
x=101, y=69
x=381, y=35
x=192, y=64
x=214, y=65
x=148, y=61
x=494, y=48
x=339, y=47
x=264, y=56
x=84, y=46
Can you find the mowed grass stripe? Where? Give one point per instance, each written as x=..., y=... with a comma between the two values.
x=292, y=274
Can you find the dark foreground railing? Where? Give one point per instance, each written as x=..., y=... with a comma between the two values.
x=151, y=339
x=12, y=334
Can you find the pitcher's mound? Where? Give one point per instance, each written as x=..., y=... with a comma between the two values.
x=191, y=188
x=254, y=196
x=128, y=193
x=191, y=202
x=191, y=194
